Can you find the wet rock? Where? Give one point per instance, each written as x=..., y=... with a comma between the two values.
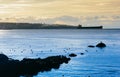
x=29, y=67
x=72, y=55
x=3, y=58
x=101, y=45
x=82, y=53
x=91, y=46
x=86, y=50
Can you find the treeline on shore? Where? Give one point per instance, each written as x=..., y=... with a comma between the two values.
x=35, y=26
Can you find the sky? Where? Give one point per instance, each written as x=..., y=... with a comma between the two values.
x=73, y=12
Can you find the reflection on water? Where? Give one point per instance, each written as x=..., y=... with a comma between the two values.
x=95, y=62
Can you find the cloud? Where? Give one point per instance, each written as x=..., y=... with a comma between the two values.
x=55, y=8
x=26, y=1
x=86, y=12
x=106, y=21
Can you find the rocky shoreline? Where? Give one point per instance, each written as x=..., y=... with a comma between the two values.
x=29, y=67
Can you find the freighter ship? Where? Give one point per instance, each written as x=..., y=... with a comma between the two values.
x=90, y=27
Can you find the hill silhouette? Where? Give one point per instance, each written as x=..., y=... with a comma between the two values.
x=34, y=26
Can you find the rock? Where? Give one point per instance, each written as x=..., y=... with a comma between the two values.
x=72, y=55
x=3, y=58
x=82, y=53
x=29, y=67
x=101, y=45
x=91, y=46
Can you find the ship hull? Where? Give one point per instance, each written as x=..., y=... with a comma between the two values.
x=92, y=27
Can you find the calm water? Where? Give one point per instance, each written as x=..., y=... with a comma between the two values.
x=96, y=62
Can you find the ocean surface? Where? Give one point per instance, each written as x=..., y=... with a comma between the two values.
x=96, y=62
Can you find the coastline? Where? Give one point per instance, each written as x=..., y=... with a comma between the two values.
x=19, y=26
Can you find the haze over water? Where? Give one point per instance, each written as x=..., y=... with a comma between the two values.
x=95, y=62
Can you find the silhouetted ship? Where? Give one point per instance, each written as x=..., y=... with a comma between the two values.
x=90, y=27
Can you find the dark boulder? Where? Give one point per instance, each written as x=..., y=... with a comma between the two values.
x=101, y=45
x=91, y=46
x=72, y=55
x=82, y=53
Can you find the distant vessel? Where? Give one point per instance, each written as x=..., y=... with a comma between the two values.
x=90, y=27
